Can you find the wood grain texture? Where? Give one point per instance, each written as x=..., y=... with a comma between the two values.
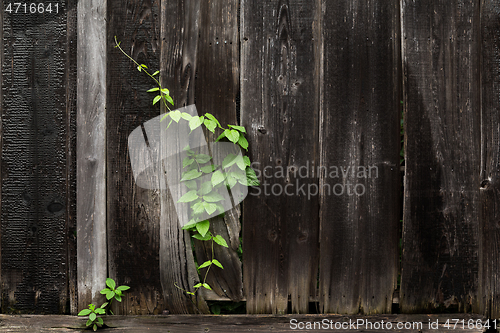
x=280, y=109
x=443, y=152
x=133, y=213
x=489, y=283
x=34, y=175
x=91, y=151
x=359, y=145
x=179, y=36
x=215, y=90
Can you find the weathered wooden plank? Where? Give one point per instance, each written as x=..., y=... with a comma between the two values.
x=34, y=175
x=215, y=89
x=179, y=40
x=443, y=151
x=71, y=86
x=489, y=284
x=91, y=151
x=280, y=109
x=241, y=323
x=359, y=151
x=133, y=212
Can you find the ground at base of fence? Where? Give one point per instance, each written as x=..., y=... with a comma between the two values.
x=251, y=323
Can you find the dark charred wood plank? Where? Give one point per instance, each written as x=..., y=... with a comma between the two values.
x=91, y=151
x=490, y=161
x=280, y=109
x=216, y=89
x=133, y=212
x=443, y=152
x=34, y=175
x=179, y=40
x=360, y=141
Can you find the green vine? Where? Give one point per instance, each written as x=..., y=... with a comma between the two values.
x=203, y=197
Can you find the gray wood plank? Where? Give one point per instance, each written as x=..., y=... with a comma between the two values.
x=91, y=151
x=34, y=175
x=443, y=152
x=133, y=212
x=360, y=141
x=490, y=159
x=179, y=35
x=280, y=109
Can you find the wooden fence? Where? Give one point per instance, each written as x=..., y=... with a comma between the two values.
x=318, y=86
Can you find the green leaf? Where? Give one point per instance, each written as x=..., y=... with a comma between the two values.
x=189, y=225
x=189, y=197
x=139, y=68
x=240, y=162
x=251, y=177
x=186, y=116
x=232, y=135
x=165, y=116
x=229, y=160
x=153, y=89
x=213, y=197
x=198, y=208
x=231, y=181
x=118, y=298
x=223, y=135
x=246, y=160
x=205, y=188
x=187, y=161
x=217, y=263
x=89, y=322
x=202, y=158
x=207, y=168
x=84, y=312
x=210, y=125
x=243, y=142
x=191, y=175
x=101, y=322
x=205, y=264
x=203, y=238
x=156, y=73
x=175, y=115
x=217, y=178
x=92, y=307
x=110, y=283
x=206, y=286
x=202, y=227
x=100, y=311
x=144, y=66
x=239, y=128
x=110, y=295
x=118, y=292
x=156, y=99
x=197, y=285
x=195, y=122
x=105, y=291
x=211, y=117
x=191, y=184
x=92, y=316
x=123, y=288
x=209, y=207
x=221, y=241
x=169, y=99
x=104, y=305
x=95, y=327
x=165, y=91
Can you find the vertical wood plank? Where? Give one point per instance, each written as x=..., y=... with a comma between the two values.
x=216, y=88
x=179, y=40
x=71, y=87
x=443, y=151
x=34, y=175
x=280, y=109
x=133, y=213
x=489, y=301
x=91, y=151
x=359, y=151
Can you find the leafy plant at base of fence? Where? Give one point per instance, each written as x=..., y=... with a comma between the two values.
x=111, y=292
x=203, y=197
